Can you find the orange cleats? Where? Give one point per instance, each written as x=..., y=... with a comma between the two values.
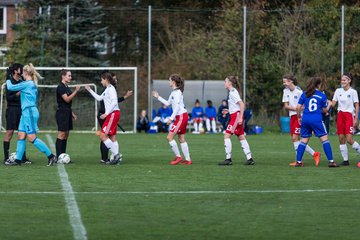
x=292, y=163
x=316, y=157
x=177, y=160
x=186, y=162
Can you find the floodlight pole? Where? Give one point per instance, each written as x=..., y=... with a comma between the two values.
x=149, y=64
x=342, y=39
x=244, y=58
x=67, y=35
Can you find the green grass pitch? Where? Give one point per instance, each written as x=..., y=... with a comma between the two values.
x=146, y=198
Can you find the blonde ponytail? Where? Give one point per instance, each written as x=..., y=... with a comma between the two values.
x=35, y=76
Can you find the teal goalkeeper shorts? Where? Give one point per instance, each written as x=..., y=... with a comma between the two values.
x=29, y=120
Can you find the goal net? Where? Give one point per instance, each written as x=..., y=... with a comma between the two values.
x=83, y=105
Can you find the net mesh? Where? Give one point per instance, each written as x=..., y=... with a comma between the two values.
x=83, y=105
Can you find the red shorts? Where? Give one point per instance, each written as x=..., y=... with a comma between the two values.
x=197, y=120
x=233, y=126
x=211, y=118
x=345, y=123
x=110, y=125
x=294, y=125
x=180, y=124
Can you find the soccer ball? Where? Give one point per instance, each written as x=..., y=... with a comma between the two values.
x=12, y=157
x=64, y=158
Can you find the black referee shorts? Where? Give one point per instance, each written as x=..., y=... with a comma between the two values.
x=64, y=119
x=100, y=121
x=13, y=115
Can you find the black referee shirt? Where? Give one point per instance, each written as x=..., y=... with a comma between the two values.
x=11, y=98
x=61, y=90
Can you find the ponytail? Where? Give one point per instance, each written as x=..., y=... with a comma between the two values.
x=312, y=85
x=179, y=81
x=35, y=76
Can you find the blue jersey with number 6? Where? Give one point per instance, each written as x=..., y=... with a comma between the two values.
x=312, y=116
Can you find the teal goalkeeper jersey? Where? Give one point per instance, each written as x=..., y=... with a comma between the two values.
x=28, y=92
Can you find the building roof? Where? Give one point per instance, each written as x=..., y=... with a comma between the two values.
x=11, y=2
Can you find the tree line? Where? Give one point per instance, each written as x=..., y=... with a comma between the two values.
x=200, y=40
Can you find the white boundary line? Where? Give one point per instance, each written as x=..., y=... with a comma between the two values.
x=77, y=225
x=199, y=192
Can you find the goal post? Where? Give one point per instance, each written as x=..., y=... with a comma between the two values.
x=83, y=104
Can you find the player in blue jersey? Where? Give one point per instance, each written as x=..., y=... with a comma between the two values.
x=210, y=117
x=314, y=103
x=197, y=114
x=28, y=125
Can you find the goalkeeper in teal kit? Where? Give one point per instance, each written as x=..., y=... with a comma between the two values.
x=314, y=103
x=28, y=125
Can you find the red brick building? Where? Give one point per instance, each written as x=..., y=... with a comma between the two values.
x=11, y=12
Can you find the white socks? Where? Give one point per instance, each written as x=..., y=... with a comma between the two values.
x=196, y=127
x=185, y=150
x=308, y=148
x=112, y=146
x=174, y=148
x=208, y=124
x=228, y=147
x=212, y=127
x=296, y=145
x=344, y=152
x=356, y=146
x=244, y=144
x=246, y=148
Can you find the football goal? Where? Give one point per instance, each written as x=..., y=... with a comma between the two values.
x=83, y=105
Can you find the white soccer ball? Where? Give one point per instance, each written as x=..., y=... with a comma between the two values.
x=12, y=157
x=64, y=158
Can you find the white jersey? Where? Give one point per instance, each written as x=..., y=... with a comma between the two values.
x=233, y=99
x=109, y=96
x=176, y=100
x=346, y=99
x=292, y=97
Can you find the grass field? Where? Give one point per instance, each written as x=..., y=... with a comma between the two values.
x=146, y=198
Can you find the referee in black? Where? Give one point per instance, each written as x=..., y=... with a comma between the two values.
x=103, y=149
x=64, y=113
x=13, y=110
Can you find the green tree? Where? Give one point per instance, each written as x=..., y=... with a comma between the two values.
x=41, y=38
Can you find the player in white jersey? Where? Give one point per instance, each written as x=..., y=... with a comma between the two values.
x=291, y=96
x=111, y=115
x=348, y=108
x=180, y=115
x=236, y=123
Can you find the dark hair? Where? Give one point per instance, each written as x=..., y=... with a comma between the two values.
x=312, y=85
x=350, y=76
x=197, y=101
x=16, y=66
x=291, y=78
x=179, y=81
x=63, y=72
x=234, y=80
x=209, y=102
x=108, y=76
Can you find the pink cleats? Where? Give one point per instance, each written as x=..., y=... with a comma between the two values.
x=176, y=161
x=316, y=157
x=358, y=164
x=179, y=160
x=186, y=162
